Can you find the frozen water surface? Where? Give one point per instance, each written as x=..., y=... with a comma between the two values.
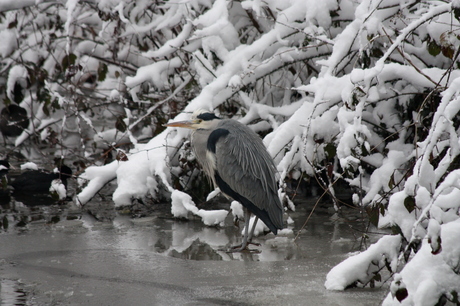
x=62, y=256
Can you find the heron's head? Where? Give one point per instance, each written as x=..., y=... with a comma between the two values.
x=200, y=119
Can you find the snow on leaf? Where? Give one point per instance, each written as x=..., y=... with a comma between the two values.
x=154, y=73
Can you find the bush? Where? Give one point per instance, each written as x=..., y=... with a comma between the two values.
x=366, y=92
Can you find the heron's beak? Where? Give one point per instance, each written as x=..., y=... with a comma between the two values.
x=188, y=124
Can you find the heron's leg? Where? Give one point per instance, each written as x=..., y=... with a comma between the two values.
x=244, y=245
x=251, y=233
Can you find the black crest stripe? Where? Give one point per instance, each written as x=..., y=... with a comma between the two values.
x=207, y=116
x=214, y=137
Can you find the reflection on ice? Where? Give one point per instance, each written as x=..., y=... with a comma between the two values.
x=12, y=293
x=182, y=237
x=190, y=239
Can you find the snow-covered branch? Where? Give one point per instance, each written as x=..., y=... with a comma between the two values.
x=361, y=92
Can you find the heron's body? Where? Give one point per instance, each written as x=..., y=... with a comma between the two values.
x=236, y=160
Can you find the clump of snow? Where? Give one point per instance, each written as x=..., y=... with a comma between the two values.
x=171, y=45
x=237, y=210
x=71, y=6
x=29, y=166
x=427, y=276
x=45, y=134
x=155, y=73
x=182, y=204
x=359, y=267
x=400, y=215
x=57, y=187
x=381, y=176
x=94, y=178
x=17, y=75
x=178, y=202
x=213, y=217
x=133, y=179
x=286, y=232
x=213, y=194
x=9, y=42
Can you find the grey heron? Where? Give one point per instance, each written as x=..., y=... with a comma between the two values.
x=236, y=160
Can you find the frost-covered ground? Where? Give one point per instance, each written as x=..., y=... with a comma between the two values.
x=362, y=91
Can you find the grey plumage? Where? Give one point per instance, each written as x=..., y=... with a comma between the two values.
x=236, y=160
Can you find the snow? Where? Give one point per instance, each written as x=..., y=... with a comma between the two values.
x=95, y=178
x=171, y=45
x=213, y=194
x=9, y=42
x=427, y=275
x=133, y=175
x=356, y=267
x=29, y=166
x=71, y=5
x=155, y=73
x=416, y=23
x=182, y=204
x=237, y=210
x=7, y=5
x=17, y=74
x=317, y=12
x=356, y=89
x=286, y=232
x=380, y=177
x=178, y=202
x=58, y=188
x=213, y=217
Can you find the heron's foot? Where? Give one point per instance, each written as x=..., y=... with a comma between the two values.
x=242, y=248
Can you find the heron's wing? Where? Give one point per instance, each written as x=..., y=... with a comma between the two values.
x=242, y=161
